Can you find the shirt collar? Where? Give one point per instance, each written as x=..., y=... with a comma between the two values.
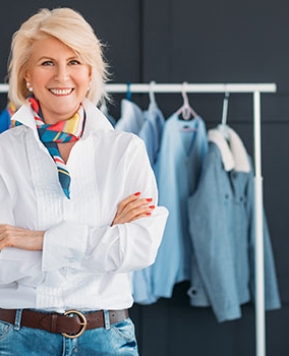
x=233, y=152
x=95, y=118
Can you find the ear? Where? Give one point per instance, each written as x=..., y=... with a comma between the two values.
x=89, y=83
x=26, y=74
x=26, y=78
x=90, y=72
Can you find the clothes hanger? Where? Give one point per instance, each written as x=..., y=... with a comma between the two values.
x=153, y=102
x=103, y=107
x=186, y=110
x=223, y=127
x=128, y=92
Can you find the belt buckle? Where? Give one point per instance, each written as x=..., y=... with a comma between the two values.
x=83, y=323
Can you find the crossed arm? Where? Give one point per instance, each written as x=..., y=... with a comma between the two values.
x=131, y=208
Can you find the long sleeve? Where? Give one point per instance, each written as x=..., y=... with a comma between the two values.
x=123, y=247
x=22, y=260
x=6, y=216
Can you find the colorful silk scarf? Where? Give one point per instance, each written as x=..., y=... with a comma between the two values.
x=63, y=131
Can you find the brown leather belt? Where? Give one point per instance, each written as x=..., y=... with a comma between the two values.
x=71, y=324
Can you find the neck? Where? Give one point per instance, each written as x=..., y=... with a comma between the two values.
x=52, y=119
x=50, y=116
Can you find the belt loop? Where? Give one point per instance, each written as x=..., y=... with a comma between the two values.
x=106, y=319
x=17, y=323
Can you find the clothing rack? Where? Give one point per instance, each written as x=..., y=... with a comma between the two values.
x=255, y=90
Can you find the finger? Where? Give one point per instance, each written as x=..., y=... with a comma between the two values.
x=128, y=200
x=131, y=207
x=136, y=205
x=134, y=214
x=144, y=215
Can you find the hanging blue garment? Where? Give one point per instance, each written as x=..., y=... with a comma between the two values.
x=152, y=130
x=131, y=119
x=103, y=108
x=4, y=120
x=222, y=229
x=151, y=133
x=183, y=148
x=5, y=116
x=142, y=287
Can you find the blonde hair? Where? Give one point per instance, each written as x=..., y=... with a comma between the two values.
x=69, y=27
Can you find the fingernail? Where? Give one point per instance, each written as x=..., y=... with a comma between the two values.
x=148, y=213
x=152, y=206
x=137, y=194
x=149, y=199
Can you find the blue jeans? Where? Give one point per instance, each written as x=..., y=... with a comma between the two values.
x=115, y=339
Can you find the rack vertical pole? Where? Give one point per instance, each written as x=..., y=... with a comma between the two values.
x=259, y=245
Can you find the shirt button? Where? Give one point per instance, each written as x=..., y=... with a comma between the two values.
x=192, y=292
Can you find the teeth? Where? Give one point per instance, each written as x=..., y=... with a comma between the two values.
x=61, y=91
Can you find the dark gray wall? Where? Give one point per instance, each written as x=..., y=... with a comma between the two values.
x=200, y=42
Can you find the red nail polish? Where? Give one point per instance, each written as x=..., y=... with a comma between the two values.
x=149, y=199
x=148, y=213
x=137, y=194
x=152, y=206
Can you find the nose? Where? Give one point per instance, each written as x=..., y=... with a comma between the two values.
x=62, y=73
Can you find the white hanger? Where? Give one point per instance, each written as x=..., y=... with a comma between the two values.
x=103, y=107
x=225, y=108
x=152, y=94
x=186, y=110
x=223, y=127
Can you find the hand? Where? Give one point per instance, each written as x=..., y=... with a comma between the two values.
x=132, y=208
x=11, y=236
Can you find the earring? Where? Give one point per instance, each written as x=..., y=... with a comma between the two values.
x=29, y=87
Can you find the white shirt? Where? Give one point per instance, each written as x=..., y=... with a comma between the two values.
x=85, y=262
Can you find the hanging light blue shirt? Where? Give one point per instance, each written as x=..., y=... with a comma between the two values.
x=131, y=119
x=152, y=130
x=151, y=133
x=183, y=148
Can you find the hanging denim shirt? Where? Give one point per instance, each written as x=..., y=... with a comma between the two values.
x=222, y=229
x=183, y=148
x=151, y=133
x=131, y=119
x=152, y=130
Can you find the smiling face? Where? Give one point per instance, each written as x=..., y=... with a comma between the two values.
x=59, y=78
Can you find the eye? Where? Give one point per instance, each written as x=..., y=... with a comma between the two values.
x=74, y=62
x=47, y=63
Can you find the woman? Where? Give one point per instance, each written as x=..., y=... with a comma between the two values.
x=78, y=200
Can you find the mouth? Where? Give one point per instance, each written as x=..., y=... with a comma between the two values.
x=61, y=92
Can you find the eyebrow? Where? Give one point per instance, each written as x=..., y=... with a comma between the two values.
x=52, y=58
